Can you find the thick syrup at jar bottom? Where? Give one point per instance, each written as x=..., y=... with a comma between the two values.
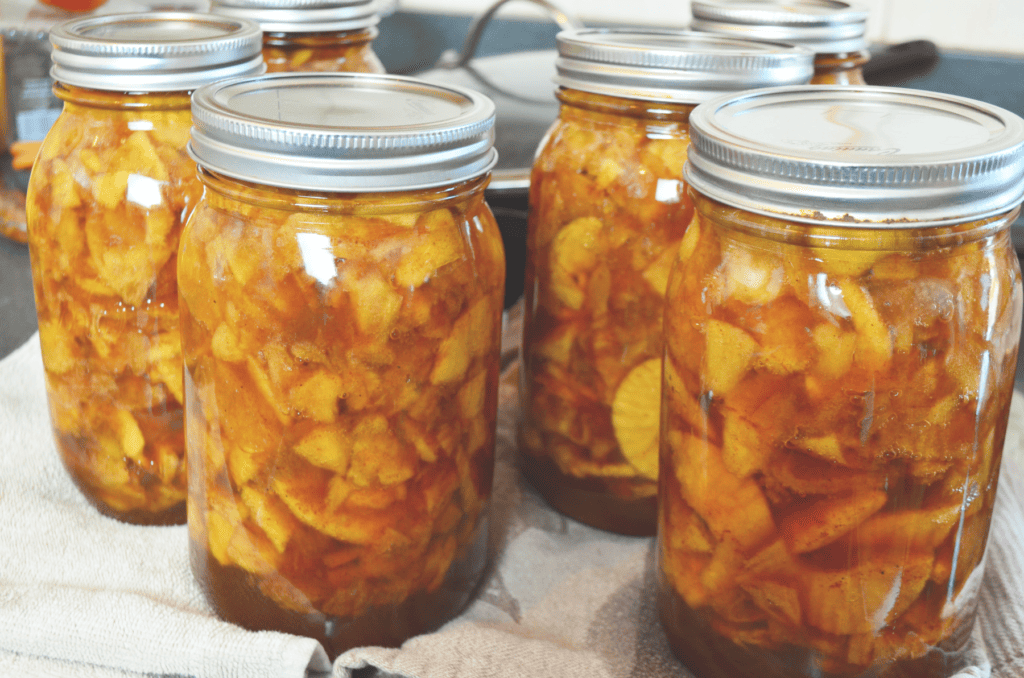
x=175, y=515
x=75, y=456
x=709, y=655
x=590, y=500
x=235, y=595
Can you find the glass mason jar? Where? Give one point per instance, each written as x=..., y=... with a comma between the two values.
x=841, y=327
x=341, y=321
x=108, y=194
x=833, y=29
x=607, y=211
x=334, y=36
x=28, y=108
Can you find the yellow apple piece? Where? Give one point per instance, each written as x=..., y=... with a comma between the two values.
x=864, y=598
x=636, y=416
x=730, y=352
x=825, y=520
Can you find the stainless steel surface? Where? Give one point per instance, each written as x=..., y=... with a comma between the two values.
x=824, y=26
x=674, y=66
x=302, y=16
x=154, y=52
x=451, y=59
x=858, y=154
x=523, y=90
x=343, y=131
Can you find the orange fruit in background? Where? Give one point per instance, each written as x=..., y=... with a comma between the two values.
x=75, y=5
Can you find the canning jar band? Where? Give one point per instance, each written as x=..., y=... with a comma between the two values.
x=840, y=38
x=331, y=174
x=297, y=17
x=821, y=25
x=148, y=81
x=862, y=56
x=849, y=235
x=354, y=36
x=829, y=152
x=109, y=99
x=313, y=25
x=339, y=202
x=372, y=132
x=674, y=65
x=154, y=51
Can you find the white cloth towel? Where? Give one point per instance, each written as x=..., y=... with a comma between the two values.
x=83, y=596
x=80, y=587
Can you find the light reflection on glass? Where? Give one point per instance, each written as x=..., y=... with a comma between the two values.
x=318, y=257
x=144, y=191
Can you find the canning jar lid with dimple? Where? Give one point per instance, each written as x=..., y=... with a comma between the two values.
x=348, y=132
x=824, y=26
x=867, y=156
x=302, y=16
x=154, y=52
x=674, y=66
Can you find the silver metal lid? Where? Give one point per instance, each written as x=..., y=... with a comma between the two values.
x=348, y=132
x=891, y=156
x=154, y=52
x=824, y=26
x=674, y=66
x=303, y=16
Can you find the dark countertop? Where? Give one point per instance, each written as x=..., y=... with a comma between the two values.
x=17, y=308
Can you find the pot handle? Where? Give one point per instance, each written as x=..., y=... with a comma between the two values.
x=899, y=63
x=453, y=59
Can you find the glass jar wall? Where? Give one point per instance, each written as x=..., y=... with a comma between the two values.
x=342, y=51
x=846, y=68
x=836, y=384
x=607, y=211
x=341, y=356
x=106, y=295
x=830, y=469
x=330, y=36
x=341, y=411
x=594, y=300
x=109, y=192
